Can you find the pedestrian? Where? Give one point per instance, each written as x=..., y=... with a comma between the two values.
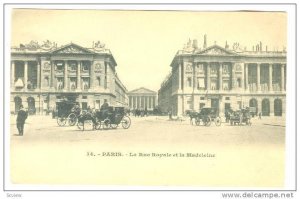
x=259, y=115
x=22, y=116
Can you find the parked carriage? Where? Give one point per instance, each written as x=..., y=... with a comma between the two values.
x=240, y=116
x=66, y=113
x=207, y=116
x=110, y=118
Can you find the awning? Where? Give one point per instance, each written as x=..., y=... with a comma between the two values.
x=19, y=83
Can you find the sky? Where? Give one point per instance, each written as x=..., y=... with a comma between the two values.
x=144, y=43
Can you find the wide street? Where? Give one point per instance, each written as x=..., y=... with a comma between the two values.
x=153, y=151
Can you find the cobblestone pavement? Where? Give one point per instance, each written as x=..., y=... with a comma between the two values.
x=149, y=153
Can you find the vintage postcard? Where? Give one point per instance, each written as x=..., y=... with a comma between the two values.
x=148, y=98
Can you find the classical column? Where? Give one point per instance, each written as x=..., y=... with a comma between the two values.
x=38, y=82
x=220, y=76
x=233, y=80
x=52, y=74
x=270, y=77
x=246, y=76
x=66, y=76
x=153, y=102
x=208, y=76
x=25, y=74
x=78, y=75
x=282, y=77
x=179, y=77
x=258, y=77
x=92, y=75
x=12, y=74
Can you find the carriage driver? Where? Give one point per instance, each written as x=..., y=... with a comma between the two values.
x=104, y=109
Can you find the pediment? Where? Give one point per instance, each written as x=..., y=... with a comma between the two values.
x=216, y=50
x=142, y=91
x=72, y=49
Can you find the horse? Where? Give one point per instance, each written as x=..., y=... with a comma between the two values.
x=192, y=115
x=86, y=116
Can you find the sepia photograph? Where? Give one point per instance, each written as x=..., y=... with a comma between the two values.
x=147, y=99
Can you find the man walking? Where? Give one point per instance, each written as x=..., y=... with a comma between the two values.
x=22, y=116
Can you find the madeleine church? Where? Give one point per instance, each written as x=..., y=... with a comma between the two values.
x=44, y=75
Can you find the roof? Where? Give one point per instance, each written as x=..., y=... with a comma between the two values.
x=142, y=90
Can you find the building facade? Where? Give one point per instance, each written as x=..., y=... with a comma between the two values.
x=142, y=99
x=44, y=75
x=225, y=78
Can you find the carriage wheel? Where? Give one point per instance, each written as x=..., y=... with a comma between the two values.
x=197, y=121
x=72, y=119
x=106, y=124
x=218, y=121
x=61, y=121
x=207, y=121
x=126, y=122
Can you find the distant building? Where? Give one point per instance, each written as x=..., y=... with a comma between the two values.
x=225, y=78
x=44, y=75
x=142, y=98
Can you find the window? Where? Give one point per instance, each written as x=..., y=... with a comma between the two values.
x=85, y=66
x=59, y=66
x=86, y=83
x=213, y=85
x=60, y=83
x=200, y=83
x=73, y=83
x=202, y=98
x=189, y=81
x=46, y=81
x=200, y=67
x=227, y=98
x=84, y=97
x=225, y=69
x=99, y=81
x=239, y=82
x=225, y=85
x=213, y=69
x=73, y=66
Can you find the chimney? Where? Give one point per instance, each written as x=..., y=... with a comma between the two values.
x=204, y=42
x=226, y=45
x=260, y=46
x=266, y=48
x=195, y=44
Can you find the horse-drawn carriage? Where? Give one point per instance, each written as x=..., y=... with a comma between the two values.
x=240, y=116
x=206, y=116
x=66, y=112
x=105, y=119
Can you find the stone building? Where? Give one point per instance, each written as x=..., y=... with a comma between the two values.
x=225, y=78
x=142, y=98
x=44, y=75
